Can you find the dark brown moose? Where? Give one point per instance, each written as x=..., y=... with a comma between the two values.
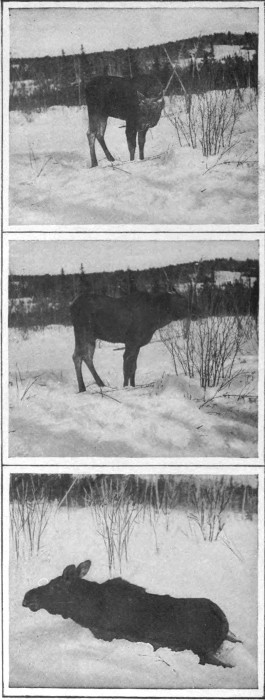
x=138, y=101
x=131, y=320
x=117, y=609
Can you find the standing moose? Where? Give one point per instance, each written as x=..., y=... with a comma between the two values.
x=131, y=320
x=138, y=101
x=117, y=609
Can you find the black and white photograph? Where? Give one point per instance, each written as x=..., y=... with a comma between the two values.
x=134, y=581
x=140, y=115
x=135, y=349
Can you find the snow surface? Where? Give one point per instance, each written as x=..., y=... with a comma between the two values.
x=49, y=418
x=51, y=182
x=47, y=651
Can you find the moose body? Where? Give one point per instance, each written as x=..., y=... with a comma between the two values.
x=118, y=609
x=131, y=320
x=138, y=101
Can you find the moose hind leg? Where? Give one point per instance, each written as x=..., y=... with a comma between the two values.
x=77, y=358
x=100, y=128
x=91, y=137
x=88, y=359
x=210, y=658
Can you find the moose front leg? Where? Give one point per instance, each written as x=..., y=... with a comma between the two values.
x=141, y=142
x=131, y=140
x=129, y=364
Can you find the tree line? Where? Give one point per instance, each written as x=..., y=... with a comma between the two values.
x=161, y=492
x=60, y=80
x=41, y=300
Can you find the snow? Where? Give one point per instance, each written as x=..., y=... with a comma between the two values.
x=47, y=651
x=51, y=182
x=162, y=416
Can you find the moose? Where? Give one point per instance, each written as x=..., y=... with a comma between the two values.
x=131, y=320
x=138, y=101
x=118, y=609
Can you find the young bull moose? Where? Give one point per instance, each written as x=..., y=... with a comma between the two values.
x=138, y=101
x=117, y=609
x=131, y=320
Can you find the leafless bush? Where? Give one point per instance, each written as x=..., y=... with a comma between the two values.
x=208, y=118
x=184, y=119
x=207, y=347
x=115, y=515
x=218, y=113
x=30, y=512
x=209, y=498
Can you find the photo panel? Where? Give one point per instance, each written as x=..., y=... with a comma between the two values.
x=158, y=125
x=124, y=349
x=133, y=583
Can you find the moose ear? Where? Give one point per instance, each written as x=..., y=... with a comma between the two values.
x=83, y=568
x=69, y=573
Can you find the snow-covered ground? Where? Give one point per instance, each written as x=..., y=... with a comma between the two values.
x=48, y=418
x=51, y=182
x=48, y=651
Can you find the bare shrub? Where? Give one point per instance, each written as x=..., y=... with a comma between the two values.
x=184, y=119
x=209, y=498
x=208, y=118
x=30, y=512
x=115, y=514
x=218, y=114
x=207, y=347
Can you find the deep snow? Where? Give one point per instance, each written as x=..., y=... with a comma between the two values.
x=48, y=418
x=47, y=651
x=51, y=182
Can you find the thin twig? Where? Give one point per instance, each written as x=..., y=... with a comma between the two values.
x=29, y=387
x=44, y=166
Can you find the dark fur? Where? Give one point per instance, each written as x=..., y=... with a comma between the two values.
x=117, y=609
x=131, y=320
x=138, y=102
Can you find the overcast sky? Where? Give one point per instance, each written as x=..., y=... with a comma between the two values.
x=41, y=257
x=41, y=32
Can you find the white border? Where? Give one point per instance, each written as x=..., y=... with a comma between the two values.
x=155, y=462
x=7, y=4
x=138, y=693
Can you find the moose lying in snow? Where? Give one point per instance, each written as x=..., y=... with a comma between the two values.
x=131, y=320
x=117, y=609
x=138, y=101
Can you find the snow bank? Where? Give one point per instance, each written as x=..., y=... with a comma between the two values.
x=161, y=417
x=51, y=181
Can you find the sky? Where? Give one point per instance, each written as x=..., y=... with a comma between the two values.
x=46, y=31
x=49, y=257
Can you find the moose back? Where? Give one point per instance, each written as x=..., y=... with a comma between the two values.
x=117, y=609
x=138, y=101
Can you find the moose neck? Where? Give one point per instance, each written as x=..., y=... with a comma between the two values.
x=162, y=311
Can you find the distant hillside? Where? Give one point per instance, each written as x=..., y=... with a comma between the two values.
x=213, y=61
x=122, y=281
x=225, y=286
